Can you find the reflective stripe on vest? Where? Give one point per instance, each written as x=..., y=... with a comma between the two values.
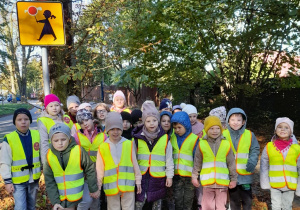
x=282, y=171
x=214, y=168
x=183, y=157
x=118, y=177
x=70, y=181
x=77, y=126
x=154, y=161
x=242, y=152
x=91, y=148
x=19, y=174
x=125, y=110
x=48, y=122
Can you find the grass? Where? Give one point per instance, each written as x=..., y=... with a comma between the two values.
x=9, y=108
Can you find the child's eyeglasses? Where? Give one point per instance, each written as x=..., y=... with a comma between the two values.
x=101, y=111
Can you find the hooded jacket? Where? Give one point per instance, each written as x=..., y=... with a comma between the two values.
x=254, y=149
x=63, y=158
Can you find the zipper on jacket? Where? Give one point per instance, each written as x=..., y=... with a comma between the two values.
x=62, y=161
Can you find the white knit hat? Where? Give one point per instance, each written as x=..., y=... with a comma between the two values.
x=119, y=93
x=188, y=108
x=219, y=112
x=285, y=120
x=83, y=105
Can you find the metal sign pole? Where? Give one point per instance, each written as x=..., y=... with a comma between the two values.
x=46, y=76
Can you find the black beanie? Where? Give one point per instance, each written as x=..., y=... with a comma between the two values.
x=126, y=116
x=22, y=111
x=136, y=115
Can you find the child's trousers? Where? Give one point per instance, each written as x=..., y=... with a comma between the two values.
x=121, y=200
x=282, y=199
x=156, y=205
x=241, y=196
x=87, y=201
x=25, y=195
x=214, y=198
x=184, y=192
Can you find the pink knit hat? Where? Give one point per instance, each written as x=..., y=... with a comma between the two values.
x=119, y=93
x=50, y=98
x=285, y=120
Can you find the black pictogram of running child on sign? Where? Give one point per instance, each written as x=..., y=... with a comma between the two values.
x=47, y=26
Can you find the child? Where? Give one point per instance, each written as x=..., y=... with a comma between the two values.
x=184, y=143
x=191, y=110
x=89, y=137
x=65, y=169
x=154, y=153
x=136, y=116
x=280, y=165
x=176, y=108
x=246, y=149
x=126, y=125
x=117, y=167
x=165, y=122
x=100, y=113
x=215, y=161
x=76, y=125
x=219, y=112
x=165, y=105
x=52, y=114
x=20, y=161
x=119, y=103
x=73, y=103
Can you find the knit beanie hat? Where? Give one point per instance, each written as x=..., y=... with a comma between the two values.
x=219, y=112
x=83, y=105
x=22, y=111
x=166, y=113
x=59, y=128
x=72, y=99
x=212, y=121
x=149, y=110
x=285, y=120
x=126, y=116
x=50, y=98
x=165, y=103
x=136, y=115
x=176, y=107
x=188, y=108
x=82, y=115
x=113, y=120
x=119, y=93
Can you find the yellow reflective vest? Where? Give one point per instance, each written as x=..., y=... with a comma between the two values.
x=283, y=172
x=183, y=157
x=154, y=161
x=118, y=177
x=91, y=148
x=214, y=168
x=77, y=126
x=70, y=181
x=125, y=110
x=19, y=168
x=48, y=122
x=242, y=152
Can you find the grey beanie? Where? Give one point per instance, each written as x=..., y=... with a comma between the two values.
x=149, y=110
x=82, y=115
x=60, y=128
x=113, y=120
x=72, y=99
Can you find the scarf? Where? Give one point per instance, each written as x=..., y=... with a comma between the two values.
x=150, y=136
x=282, y=144
x=113, y=108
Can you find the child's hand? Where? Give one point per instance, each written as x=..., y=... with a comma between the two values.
x=169, y=182
x=95, y=194
x=57, y=207
x=9, y=188
x=195, y=182
x=232, y=184
x=138, y=189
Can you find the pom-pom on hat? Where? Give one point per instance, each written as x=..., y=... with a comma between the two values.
x=149, y=110
x=22, y=111
x=165, y=103
x=113, y=120
x=50, y=98
x=188, y=108
x=60, y=128
x=285, y=120
x=119, y=93
x=82, y=115
x=72, y=99
x=212, y=121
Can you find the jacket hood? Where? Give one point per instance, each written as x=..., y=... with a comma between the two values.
x=236, y=111
x=67, y=150
x=183, y=119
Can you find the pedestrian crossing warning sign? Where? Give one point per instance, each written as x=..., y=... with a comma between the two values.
x=40, y=23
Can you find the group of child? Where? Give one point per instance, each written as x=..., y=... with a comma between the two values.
x=145, y=156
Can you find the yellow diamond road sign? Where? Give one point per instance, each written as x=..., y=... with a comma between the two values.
x=40, y=23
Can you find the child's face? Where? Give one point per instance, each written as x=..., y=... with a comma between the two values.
x=101, y=112
x=236, y=121
x=60, y=141
x=119, y=102
x=179, y=129
x=283, y=131
x=214, y=132
x=53, y=108
x=193, y=118
x=138, y=123
x=87, y=124
x=22, y=122
x=73, y=107
x=151, y=124
x=165, y=122
x=126, y=125
x=115, y=134
x=176, y=110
